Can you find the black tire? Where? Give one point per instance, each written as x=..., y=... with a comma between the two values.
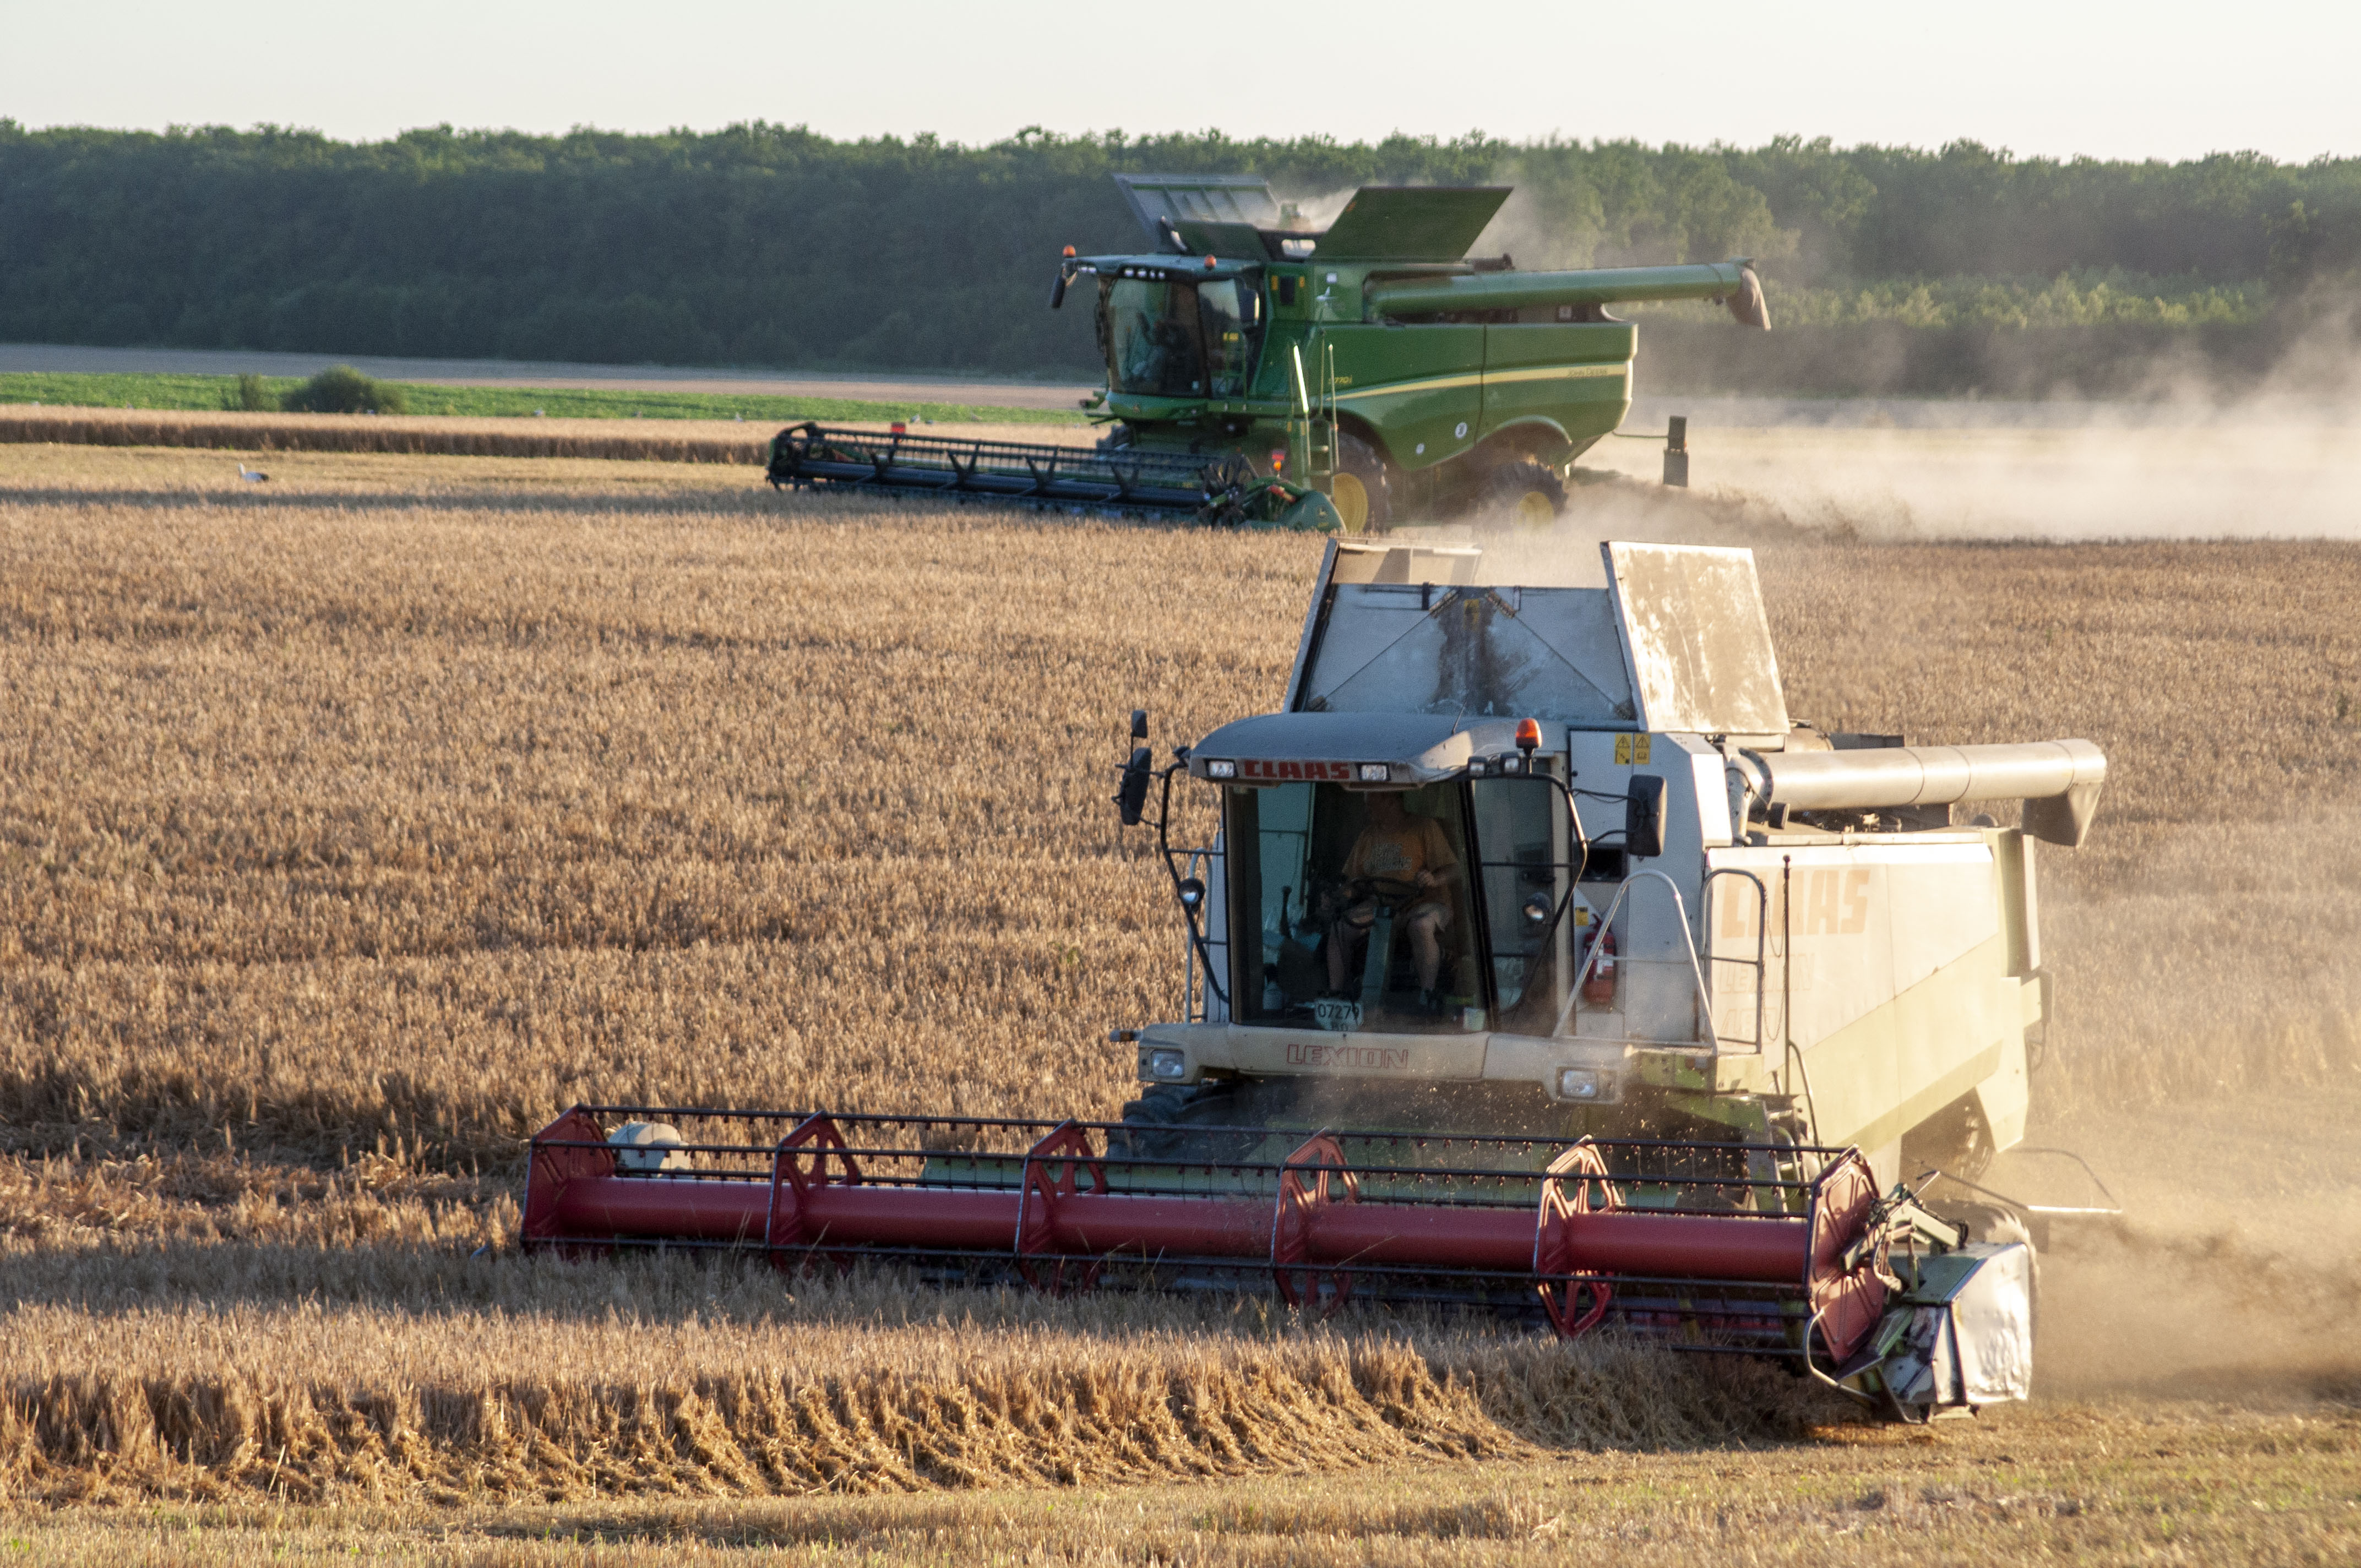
x=1154, y=1123
x=1161, y=1104
x=1360, y=465
x=1515, y=494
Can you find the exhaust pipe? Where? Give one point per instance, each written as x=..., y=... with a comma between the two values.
x=2057, y=780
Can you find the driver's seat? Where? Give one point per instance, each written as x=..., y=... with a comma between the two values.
x=1389, y=967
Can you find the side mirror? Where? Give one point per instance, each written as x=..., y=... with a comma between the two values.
x=1193, y=895
x=1538, y=909
x=1131, y=796
x=1644, y=815
x=1058, y=290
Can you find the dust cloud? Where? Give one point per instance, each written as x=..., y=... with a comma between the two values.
x=1930, y=484
x=2206, y=1060
x=1885, y=471
x=1881, y=479
x=2189, y=454
x=1605, y=505
x=2235, y=1270
x=1318, y=210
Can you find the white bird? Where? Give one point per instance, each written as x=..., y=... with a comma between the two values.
x=252, y=475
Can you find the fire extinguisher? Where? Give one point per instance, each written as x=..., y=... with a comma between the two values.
x=1599, y=989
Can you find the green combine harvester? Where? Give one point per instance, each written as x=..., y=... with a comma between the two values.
x=1348, y=378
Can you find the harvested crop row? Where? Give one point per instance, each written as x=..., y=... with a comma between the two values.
x=862, y=1409
x=664, y=441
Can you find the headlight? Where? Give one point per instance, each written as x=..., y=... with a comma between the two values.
x=1576, y=1083
x=1376, y=772
x=1221, y=769
x=1164, y=1065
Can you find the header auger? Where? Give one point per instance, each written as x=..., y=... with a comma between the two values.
x=1819, y=1269
x=1541, y=965
x=1346, y=378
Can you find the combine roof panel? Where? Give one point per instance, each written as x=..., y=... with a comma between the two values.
x=1411, y=223
x=1699, y=642
x=1470, y=653
x=1677, y=642
x=1198, y=199
x=1238, y=241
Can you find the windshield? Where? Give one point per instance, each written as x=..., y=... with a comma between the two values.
x=1525, y=876
x=1178, y=339
x=1225, y=311
x=1363, y=903
x=1374, y=913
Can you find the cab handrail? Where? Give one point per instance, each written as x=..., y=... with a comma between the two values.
x=1598, y=946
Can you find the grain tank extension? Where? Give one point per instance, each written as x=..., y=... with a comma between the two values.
x=1536, y=962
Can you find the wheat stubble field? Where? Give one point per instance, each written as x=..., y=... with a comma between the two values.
x=353, y=823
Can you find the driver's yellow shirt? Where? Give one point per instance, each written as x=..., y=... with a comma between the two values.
x=1399, y=854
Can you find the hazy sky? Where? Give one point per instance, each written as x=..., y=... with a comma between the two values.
x=2155, y=80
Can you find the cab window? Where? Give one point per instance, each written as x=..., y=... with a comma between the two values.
x=1520, y=832
x=1151, y=332
x=1227, y=312
x=1336, y=882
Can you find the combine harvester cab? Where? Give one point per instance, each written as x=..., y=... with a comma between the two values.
x=1260, y=370
x=1539, y=963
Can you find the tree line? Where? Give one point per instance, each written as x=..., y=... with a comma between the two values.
x=770, y=245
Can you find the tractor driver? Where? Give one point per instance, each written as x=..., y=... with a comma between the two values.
x=1397, y=853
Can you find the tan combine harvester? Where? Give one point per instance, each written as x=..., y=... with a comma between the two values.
x=1803, y=945
x=1539, y=964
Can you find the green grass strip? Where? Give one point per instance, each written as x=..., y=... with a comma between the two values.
x=209, y=393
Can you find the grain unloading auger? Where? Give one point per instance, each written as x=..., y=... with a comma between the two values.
x=1344, y=378
x=1538, y=963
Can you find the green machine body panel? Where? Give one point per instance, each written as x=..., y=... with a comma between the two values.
x=1378, y=340
x=1417, y=385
